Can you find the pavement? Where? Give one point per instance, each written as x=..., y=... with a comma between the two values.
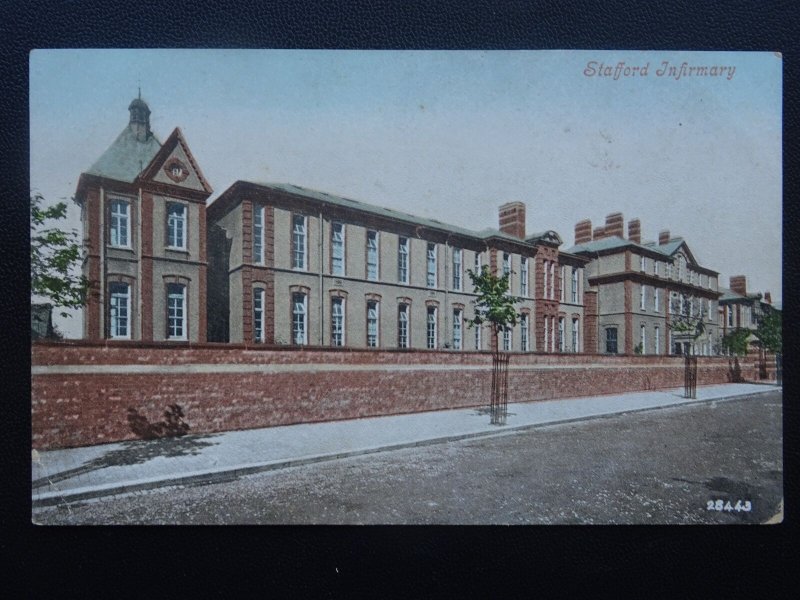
x=79, y=474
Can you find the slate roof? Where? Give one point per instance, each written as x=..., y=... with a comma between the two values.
x=669, y=248
x=126, y=157
x=728, y=294
x=611, y=243
x=389, y=213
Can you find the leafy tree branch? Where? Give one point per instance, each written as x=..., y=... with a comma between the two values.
x=55, y=257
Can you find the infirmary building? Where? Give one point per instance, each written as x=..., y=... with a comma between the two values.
x=280, y=264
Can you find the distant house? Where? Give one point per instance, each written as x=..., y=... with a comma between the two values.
x=42, y=322
x=740, y=309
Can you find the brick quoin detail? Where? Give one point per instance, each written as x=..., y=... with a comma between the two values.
x=147, y=266
x=84, y=409
x=94, y=242
x=590, y=322
x=628, y=314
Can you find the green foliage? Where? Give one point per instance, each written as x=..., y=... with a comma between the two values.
x=637, y=349
x=769, y=332
x=736, y=342
x=494, y=304
x=55, y=256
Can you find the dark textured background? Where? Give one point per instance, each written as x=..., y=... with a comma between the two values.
x=724, y=561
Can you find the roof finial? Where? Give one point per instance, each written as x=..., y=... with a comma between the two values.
x=140, y=90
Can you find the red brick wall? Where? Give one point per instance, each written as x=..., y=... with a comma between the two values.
x=87, y=408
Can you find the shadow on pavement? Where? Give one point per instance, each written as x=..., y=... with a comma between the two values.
x=133, y=453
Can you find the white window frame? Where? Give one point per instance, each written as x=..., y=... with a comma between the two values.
x=552, y=280
x=642, y=297
x=176, y=313
x=120, y=223
x=258, y=234
x=373, y=324
x=524, y=333
x=643, y=338
x=656, y=299
x=507, y=339
x=523, y=277
x=431, y=329
x=655, y=267
x=299, y=318
x=562, y=334
x=642, y=263
x=478, y=338
x=574, y=285
x=338, y=266
x=338, y=323
x=119, y=301
x=729, y=308
x=259, y=301
x=431, y=273
x=176, y=225
x=546, y=334
x=458, y=328
x=478, y=263
x=545, y=269
x=299, y=242
x=402, y=259
x=457, y=269
x=563, y=290
x=576, y=340
x=657, y=340
x=373, y=255
x=402, y=326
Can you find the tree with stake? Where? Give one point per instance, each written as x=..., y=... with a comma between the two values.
x=55, y=257
x=769, y=336
x=495, y=306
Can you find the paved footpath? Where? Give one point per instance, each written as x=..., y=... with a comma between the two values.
x=82, y=473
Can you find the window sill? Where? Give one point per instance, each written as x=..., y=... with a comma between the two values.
x=113, y=247
x=174, y=249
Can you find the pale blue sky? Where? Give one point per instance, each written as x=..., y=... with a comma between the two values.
x=451, y=135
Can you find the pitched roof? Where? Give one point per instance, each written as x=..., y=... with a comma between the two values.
x=388, y=212
x=126, y=157
x=609, y=243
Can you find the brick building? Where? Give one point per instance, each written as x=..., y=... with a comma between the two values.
x=144, y=221
x=293, y=265
x=740, y=309
x=644, y=286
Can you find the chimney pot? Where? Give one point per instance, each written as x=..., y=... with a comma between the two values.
x=583, y=232
x=663, y=237
x=739, y=284
x=615, y=225
x=635, y=231
x=512, y=219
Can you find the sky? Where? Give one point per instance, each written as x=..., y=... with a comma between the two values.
x=451, y=135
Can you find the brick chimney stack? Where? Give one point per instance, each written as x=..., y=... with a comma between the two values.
x=583, y=232
x=635, y=231
x=767, y=297
x=615, y=225
x=663, y=237
x=599, y=233
x=739, y=284
x=512, y=219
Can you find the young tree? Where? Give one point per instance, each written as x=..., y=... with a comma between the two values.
x=736, y=341
x=769, y=331
x=55, y=257
x=495, y=306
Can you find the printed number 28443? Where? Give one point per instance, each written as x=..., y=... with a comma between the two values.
x=721, y=505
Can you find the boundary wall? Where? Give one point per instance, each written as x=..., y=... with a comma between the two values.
x=85, y=393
